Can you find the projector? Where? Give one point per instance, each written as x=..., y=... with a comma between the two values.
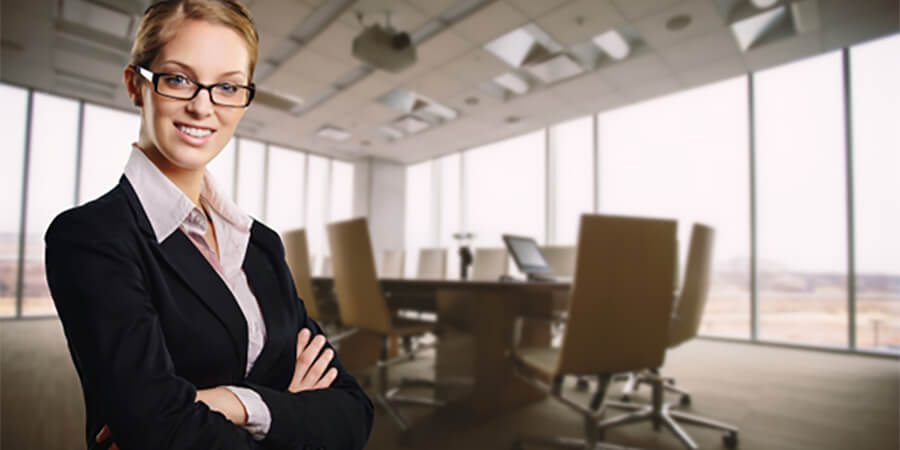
x=384, y=48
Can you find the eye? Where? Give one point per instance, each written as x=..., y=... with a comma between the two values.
x=175, y=80
x=228, y=88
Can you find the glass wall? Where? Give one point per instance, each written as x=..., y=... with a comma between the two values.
x=801, y=202
x=693, y=167
x=45, y=143
x=420, y=229
x=105, y=147
x=875, y=71
x=51, y=164
x=449, y=208
x=13, y=106
x=316, y=212
x=287, y=177
x=572, y=188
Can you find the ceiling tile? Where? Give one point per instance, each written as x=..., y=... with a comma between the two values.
x=286, y=82
x=437, y=85
x=704, y=16
x=403, y=17
x=716, y=71
x=279, y=17
x=639, y=69
x=376, y=114
x=583, y=88
x=371, y=87
x=635, y=9
x=652, y=89
x=267, y=44
x=783, y=51
x=581, y=20
x=537, y=8
x=442, y=48
x=603, y=103
x=432, y=8
x=484, y=102
x=310, y=64
x=476, y=66
x=490, y=22
x=858, y=30
x=336, y=41
x=701, y=50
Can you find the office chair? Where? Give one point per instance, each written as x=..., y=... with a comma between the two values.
x=391, y=264
x=561, y=259
x=489, y=264
x=619, y=309
x=685, y=323
x=362, y=305
x=432, y=264
x=325, y=268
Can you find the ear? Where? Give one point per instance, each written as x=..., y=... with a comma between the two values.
x=133, y=84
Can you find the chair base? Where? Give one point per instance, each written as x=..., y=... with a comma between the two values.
x=662, y=414
x=633, y=382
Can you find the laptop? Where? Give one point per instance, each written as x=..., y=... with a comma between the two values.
x=529, y=259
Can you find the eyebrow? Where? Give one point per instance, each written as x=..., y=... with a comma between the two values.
x=190, y=69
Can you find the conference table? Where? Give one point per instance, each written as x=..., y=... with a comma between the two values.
x=475, y=322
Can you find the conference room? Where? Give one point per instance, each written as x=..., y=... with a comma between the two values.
x=617, y=224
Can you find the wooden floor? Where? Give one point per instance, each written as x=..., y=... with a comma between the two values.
x=779, y=398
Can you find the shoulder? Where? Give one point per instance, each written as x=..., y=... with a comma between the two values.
x=266, y=237
x=108, y=217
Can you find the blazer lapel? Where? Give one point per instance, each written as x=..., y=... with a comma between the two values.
x=195, y=271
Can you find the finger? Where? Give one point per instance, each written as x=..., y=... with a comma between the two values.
x=326, y=381
x=305, y=360
x=102, y=435
x=114, y=447
x=318, y=369
x=302, y=340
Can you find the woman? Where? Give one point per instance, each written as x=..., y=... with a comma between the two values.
x=179, y=309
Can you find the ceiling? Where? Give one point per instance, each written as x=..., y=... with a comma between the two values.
x=78, y=48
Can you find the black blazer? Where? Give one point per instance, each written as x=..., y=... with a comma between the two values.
x=148, y=324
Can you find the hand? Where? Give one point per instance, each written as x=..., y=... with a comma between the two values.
x=224, y=401
x=104, y=435
x=309, y=372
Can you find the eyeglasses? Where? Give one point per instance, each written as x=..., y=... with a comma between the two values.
x=180, y=87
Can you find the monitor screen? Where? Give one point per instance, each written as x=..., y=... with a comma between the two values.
x=526, y=254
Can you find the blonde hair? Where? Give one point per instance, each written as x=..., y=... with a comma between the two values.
x=162, y=20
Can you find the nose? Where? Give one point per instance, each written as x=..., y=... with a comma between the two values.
x=201, y=105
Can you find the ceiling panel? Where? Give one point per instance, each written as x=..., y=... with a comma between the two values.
x=438, y=85
x=537, y=8
x=644, y=91
x=279, y=17
x=635, y=9
x=490, y=22
x=442, y=48
x=403, y=17
x=286, y=82
x=476, y=66
x=604, y=102
x=701, y=50
x=715, y=71
x=859, y=29
x=484, y=101
x=314, y=66
x=583, y=88
x=336, y=41
x=704, y=18
x=432, y=8
x=783, y=51
x=580, y=20
x=641, y=68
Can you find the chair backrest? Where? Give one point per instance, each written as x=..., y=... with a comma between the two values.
x=391, y=264
x=561, y=259
x=489, y=263
x=361, y=303
x=621, y=300
x=325, y=268
x=692, y=301
x=297, y=254
x=432, y=264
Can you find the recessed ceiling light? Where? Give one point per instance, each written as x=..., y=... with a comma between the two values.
x=411, y=124
x=512, y=119
x=678, y=23
x=333, y=133
x=750, y=30
x=390, y=132
x=512, y=82
x=613, y=44
x=762, y=4
x=471, y=100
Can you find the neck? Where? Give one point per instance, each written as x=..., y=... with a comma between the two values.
x=190, y=181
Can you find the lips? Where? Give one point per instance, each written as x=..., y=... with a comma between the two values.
x=194, y=135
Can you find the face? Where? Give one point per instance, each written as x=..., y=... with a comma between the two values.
x=181, y=135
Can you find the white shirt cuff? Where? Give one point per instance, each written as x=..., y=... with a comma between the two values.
x=259, y=419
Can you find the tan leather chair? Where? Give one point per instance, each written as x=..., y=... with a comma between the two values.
x=684, y=325
x=432, y=264
x=297, y=254
x=325, y=268
x=362, y=305
x=561, y=259
x=391, y=264
x=489, y=264
x=619, y=310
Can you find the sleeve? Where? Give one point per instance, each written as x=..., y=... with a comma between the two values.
x=116, y=339
x=339, y=417
x=259, y=419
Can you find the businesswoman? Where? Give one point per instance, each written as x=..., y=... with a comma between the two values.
x=179, y=309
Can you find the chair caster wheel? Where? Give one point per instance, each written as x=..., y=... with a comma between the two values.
x=685, y=400
x=671, y=381
x=625, y=398
x=730, y=440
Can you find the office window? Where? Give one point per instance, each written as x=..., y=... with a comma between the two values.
x=316, y=209
x=13, y=104
x=251, y=177
x=801, y=202
x=287, y=174
x=420, y=220
x=341, y=190
x=571, y=165
x=505, y=189
x=222, y=169
x=876, y=154
x=105, y=147
x=685, y=156
x=51, y=186
x=449, y=210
